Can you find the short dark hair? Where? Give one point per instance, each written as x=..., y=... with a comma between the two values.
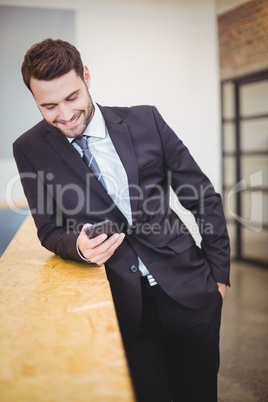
x=51, y=59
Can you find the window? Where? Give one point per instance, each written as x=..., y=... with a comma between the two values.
x=245, y=165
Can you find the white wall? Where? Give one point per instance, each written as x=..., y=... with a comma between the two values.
x=159, y=52
x=18, y=111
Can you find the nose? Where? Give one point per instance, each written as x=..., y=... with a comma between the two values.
x=65, y=113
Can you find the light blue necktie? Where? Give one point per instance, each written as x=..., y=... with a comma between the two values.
x=89, y=158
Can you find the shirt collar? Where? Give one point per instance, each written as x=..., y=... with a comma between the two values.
x=96, y=127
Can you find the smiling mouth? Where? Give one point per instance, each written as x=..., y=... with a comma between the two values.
x=70, y=123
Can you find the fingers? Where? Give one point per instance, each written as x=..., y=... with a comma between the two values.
x=98, y=249
x=106, y=249
x=222, y=289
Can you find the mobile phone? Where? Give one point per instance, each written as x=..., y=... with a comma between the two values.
x=106, y=227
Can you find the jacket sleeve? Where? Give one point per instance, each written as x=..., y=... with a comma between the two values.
x=49, y=220
x=196, y=193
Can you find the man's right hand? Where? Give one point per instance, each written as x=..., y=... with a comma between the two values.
x=98, y=249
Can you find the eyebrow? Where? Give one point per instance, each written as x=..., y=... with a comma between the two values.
x=52, y=103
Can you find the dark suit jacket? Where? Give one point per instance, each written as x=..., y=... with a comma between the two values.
x=63, y=195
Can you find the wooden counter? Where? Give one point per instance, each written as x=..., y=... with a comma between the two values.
x=59, y=337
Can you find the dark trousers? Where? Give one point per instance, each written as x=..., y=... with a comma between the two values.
x=175, y=356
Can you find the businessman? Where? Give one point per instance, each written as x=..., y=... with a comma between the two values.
x=85, y=163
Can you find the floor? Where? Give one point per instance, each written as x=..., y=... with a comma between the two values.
x=244, y=336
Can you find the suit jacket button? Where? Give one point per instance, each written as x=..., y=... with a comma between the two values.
x=133, y=268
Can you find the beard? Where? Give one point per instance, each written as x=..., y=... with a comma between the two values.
x=84, y=116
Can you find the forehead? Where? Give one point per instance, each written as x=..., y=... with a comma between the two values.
x=57, y=89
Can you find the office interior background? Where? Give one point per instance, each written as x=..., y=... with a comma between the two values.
x=204, y=65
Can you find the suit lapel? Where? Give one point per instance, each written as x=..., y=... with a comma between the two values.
x=63, y=148
x=66, y=151
x=121, y=139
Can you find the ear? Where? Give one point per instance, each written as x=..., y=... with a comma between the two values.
x=86, y=76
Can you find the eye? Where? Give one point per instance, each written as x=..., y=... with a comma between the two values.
x=51, y=107
x=73, y=98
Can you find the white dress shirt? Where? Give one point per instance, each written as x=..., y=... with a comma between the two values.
x=111, y=167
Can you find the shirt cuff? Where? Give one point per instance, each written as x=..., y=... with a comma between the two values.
x=80, y=255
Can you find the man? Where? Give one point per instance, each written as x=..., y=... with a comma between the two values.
x=167, y=291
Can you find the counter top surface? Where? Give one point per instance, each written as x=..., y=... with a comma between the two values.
x=59, y=338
